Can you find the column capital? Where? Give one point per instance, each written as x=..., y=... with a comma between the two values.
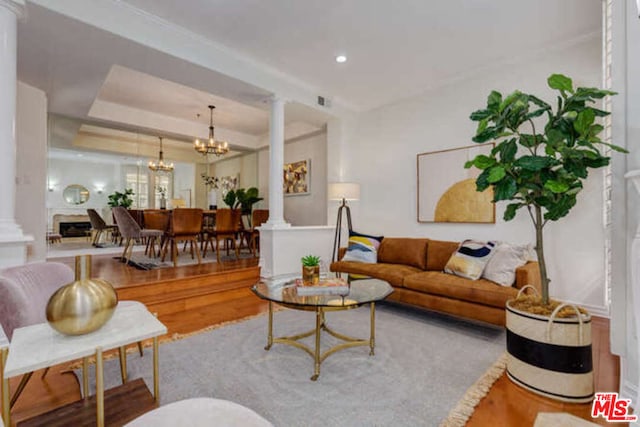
x=18, y=7
x=274, y=98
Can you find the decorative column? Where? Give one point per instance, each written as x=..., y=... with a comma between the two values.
x=276, y=164
x=12, y=240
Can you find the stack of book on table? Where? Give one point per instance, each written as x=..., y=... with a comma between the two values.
x=335, y=286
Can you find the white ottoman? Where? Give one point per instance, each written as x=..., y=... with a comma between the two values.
x=201, y=412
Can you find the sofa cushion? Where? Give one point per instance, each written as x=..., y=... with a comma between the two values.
x=439, y=252
x=479, y=291
x=406, y=251
x=392, y=273
x=362, y=248
x=470, y=259
x=502, y=266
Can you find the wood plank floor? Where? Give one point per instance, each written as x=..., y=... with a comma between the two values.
x=505, y=405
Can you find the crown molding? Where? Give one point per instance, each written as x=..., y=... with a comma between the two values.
x=18, y=7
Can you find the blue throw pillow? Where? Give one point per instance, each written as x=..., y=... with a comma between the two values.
x=362, y=248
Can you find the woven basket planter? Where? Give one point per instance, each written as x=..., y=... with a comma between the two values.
x=550, y=356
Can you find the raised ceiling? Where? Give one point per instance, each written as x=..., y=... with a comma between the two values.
x=395, y=50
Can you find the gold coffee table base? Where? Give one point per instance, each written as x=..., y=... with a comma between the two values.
x=321, y=325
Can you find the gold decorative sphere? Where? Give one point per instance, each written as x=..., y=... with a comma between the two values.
x=84, y=305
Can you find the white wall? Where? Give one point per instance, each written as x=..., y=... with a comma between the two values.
x=31, y=167
x=308, y=209
x=382, y=157
x=184, y=182
x=91, y=174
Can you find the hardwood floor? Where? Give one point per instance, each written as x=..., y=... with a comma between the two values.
x=505, y=405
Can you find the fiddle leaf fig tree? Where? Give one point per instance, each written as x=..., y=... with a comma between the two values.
x=542, y=154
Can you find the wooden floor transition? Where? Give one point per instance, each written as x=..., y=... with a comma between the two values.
x=209, y=294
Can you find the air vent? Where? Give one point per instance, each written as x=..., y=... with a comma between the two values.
x=324, y=102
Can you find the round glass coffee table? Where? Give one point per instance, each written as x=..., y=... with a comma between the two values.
x=285, y=293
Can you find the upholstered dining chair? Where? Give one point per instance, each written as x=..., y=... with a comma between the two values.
x=24, y=293
x=252, y=236
x=98, y=226
x=156, y=219
x=227, y=227
x=185, y=225
x=131, y=231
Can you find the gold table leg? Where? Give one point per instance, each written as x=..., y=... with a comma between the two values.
x=85, y=377
x=270, y=330
x=6, y=408
x=99, y=388
x=156, y=372
x=316, y=355
x=122, y=353
x=372, y=338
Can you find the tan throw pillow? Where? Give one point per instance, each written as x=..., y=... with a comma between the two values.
x=501, y=268
x=470, y=259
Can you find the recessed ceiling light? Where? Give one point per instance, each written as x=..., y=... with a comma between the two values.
x=341, y=58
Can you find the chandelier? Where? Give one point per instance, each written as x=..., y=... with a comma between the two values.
x=219, y=148
x=161, y=166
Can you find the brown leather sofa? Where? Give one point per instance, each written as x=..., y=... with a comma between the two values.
x=415, y=269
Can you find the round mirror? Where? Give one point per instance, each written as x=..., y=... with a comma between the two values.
x=75, y=194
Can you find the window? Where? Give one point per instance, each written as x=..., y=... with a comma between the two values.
x=146, y=186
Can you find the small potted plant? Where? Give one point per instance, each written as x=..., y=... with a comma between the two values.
x=311, y=269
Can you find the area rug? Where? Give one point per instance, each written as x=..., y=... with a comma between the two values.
x=423, y=365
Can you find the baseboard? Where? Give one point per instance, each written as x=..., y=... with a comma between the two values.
x=594, y=310
x=628, y=390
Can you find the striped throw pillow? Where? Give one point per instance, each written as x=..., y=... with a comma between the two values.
x=470, y=259
x=362, y=248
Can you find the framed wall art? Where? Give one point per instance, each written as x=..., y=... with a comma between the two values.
x=447, y=191
x=297, y=177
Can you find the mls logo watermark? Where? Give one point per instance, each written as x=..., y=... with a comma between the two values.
x=612, y=409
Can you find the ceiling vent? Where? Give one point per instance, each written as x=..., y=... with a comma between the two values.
x=324, y=102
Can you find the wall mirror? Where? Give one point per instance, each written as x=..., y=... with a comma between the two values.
x=75, y=194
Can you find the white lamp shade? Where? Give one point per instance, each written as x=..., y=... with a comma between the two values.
x=344, y=190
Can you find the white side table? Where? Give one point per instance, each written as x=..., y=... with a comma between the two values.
x=39, y=346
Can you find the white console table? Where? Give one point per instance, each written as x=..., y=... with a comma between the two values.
x=39, y=346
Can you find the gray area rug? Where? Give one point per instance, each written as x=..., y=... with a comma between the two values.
x=423, y=365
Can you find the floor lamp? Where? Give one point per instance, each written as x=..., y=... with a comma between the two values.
x=342, y=191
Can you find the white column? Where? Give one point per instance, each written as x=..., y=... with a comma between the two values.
x=12, y=240
x=276, y=165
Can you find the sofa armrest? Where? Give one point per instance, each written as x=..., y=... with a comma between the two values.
x=528, y=274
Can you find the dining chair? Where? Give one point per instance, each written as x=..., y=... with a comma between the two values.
x=98, y=226
x=131, y=231
x=156, y=219
x=227, y=226
x=185, y=225
x=252, y=236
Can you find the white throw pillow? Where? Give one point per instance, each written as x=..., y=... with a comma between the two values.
x=501, y=268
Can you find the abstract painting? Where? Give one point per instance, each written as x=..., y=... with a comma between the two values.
x=447, y=191
x=296, y=178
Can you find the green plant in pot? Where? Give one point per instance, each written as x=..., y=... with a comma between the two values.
x=310, y=269
x=121, y=199
x=243, y=199
x=541, y=157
